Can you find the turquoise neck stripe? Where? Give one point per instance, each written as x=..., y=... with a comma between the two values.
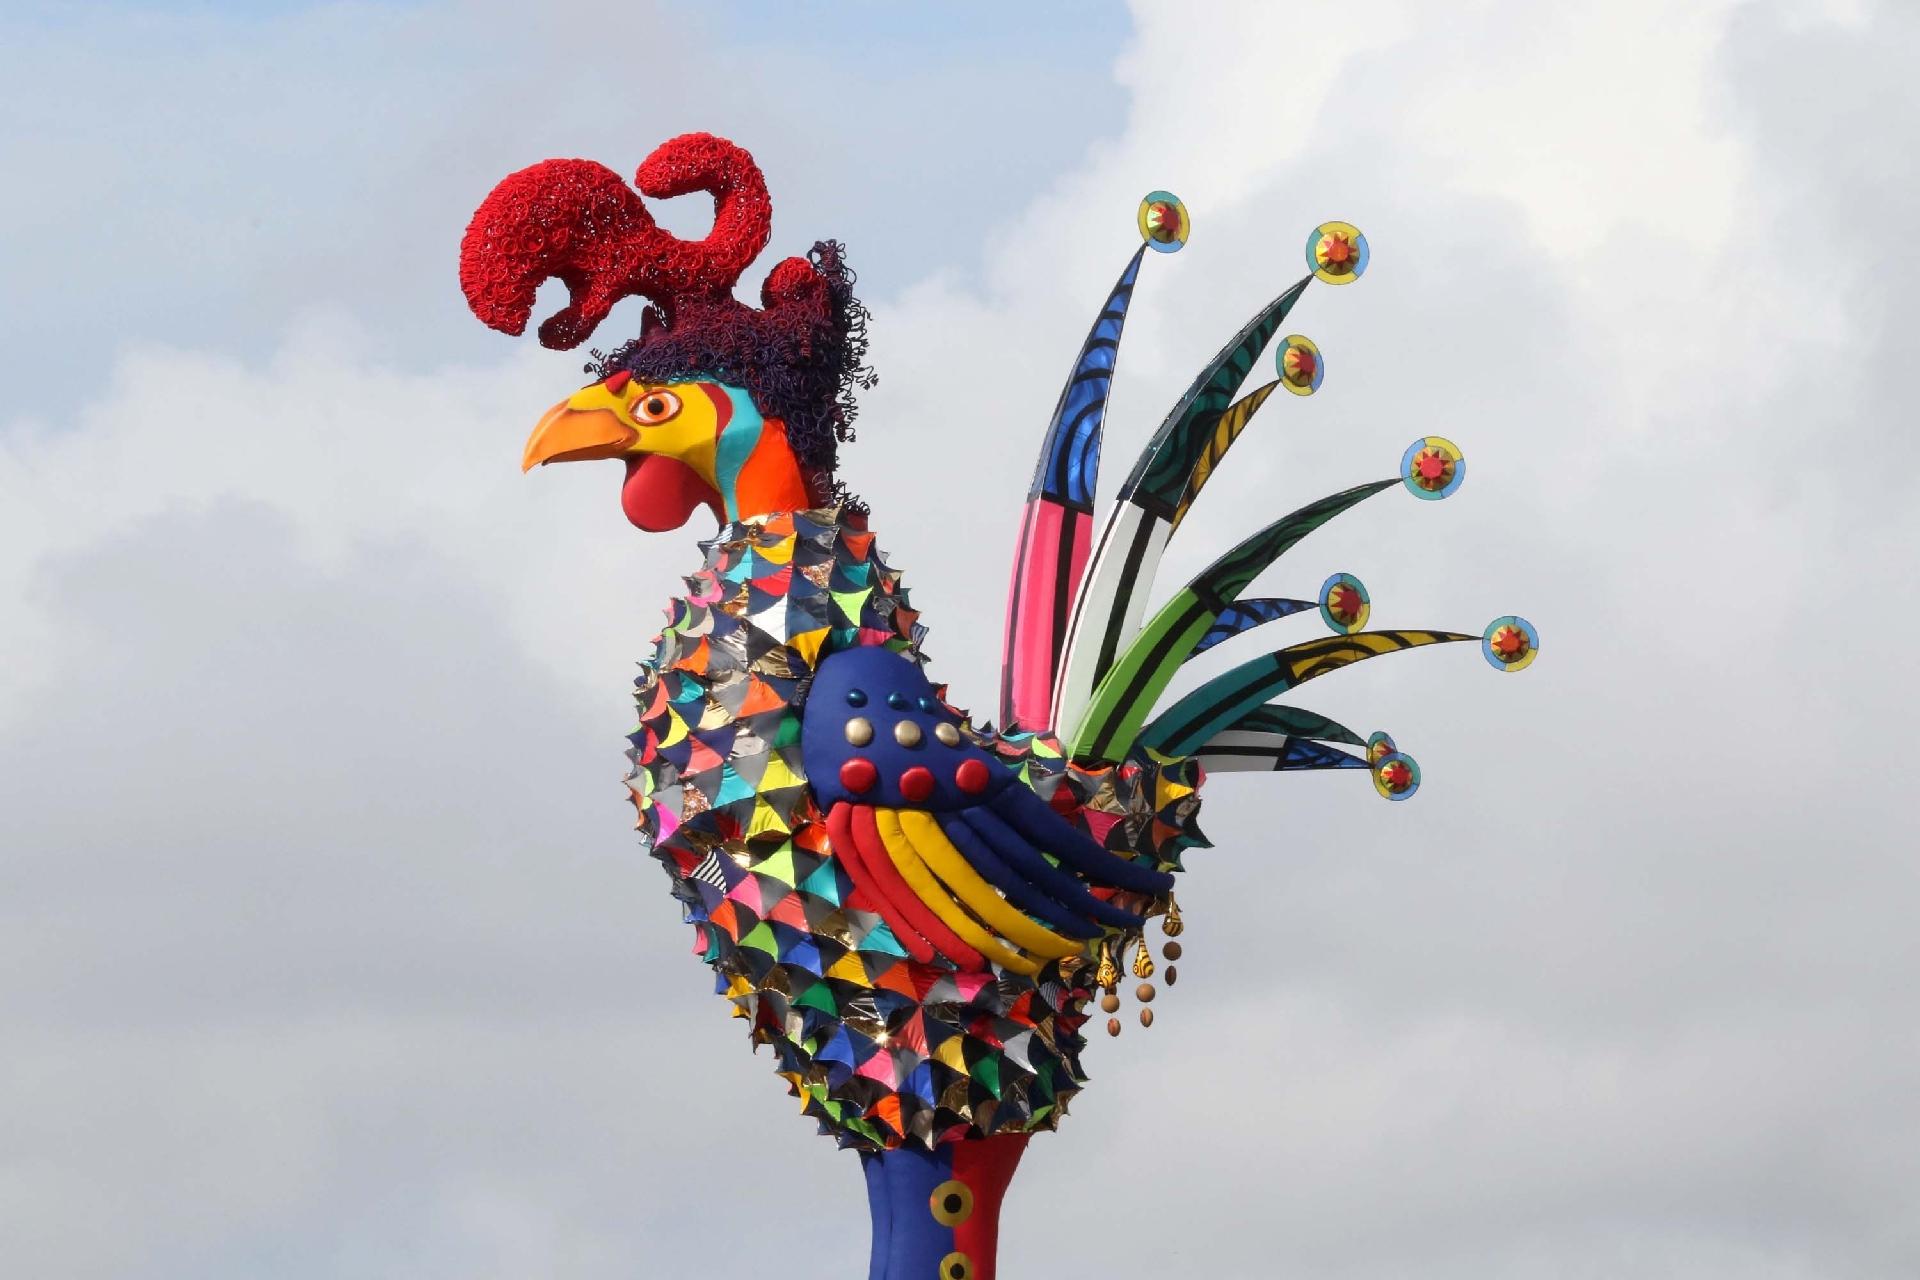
x=738, y=440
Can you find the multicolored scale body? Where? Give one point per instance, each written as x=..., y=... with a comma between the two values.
x=890, y=1036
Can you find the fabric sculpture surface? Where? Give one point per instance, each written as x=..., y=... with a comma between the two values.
x=917, y=911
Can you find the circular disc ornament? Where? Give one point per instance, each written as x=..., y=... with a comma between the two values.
x=1337, y=252
x=1163, y=221
x=1379, y=745
x=1396, y=776
x=951, y=1202
x=1432, y=468
x=1301, y=368
x=1344, y=604
x=1510, y=643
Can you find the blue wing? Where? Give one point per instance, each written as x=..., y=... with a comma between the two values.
x=958, y=855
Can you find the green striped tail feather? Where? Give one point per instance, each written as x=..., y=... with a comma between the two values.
x=1164, y=467
x=1295, y=722
x=1141, y=672
x=1187, y=725
x=1159, y=490
x=1213, y=447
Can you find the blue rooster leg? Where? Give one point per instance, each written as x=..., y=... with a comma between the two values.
x=1028, y=814
x=1022, y=857
x=1061, y=917
x=936, y=1214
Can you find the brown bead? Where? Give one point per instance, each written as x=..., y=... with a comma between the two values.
x=1146, y=1017
x=1110, y=1003
x=1113, y=1024
x=1173, y=974
x=1144, y=993
x=1171, y=951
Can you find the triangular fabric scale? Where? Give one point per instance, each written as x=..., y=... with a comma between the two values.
x=824, y=883
x=760, y=696
x=850, y=604
x=777, y=865
x=732, y=786
x=748, y=894
x=791, y=911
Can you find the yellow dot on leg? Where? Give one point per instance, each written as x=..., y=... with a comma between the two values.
x=951, y=1202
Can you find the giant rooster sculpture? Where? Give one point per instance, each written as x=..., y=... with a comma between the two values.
x=912, y=909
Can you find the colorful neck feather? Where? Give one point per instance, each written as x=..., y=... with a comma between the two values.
x=754, y=464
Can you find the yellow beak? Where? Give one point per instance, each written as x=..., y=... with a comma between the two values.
x=584, y=425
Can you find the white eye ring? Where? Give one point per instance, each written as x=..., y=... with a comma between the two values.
x=655, y=407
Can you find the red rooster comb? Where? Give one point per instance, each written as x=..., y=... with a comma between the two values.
x=577, y=222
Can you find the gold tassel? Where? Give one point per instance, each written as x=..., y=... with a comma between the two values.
x=1107, y=976
x=1171, y=922
x=1142, y=961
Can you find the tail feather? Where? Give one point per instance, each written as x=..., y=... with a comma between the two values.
x=1236, y=751
x=1057, y=527
x=1111, y=603
x=1077, y=656
x=1226, y=429
x=1295, y=722
x=1245, y=616
x=1235, y=571
x=1160, y=474
x=1140, y=675
x=1069, y=464
x=1187, y=725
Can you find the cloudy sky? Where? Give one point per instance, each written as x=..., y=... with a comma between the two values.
x=325, y=950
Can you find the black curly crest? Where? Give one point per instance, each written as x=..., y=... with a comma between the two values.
x=801, y=364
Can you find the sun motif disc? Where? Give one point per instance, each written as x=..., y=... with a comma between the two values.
x=1396, y=776
x=1302, y=369
x=1337, y=252
x=1344, y=604
x=1510, y=643
x=1432, y=468
x=1163, y=221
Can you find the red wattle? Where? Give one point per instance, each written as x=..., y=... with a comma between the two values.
x=662, y=493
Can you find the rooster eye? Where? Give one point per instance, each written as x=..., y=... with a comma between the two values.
x=656, y=406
